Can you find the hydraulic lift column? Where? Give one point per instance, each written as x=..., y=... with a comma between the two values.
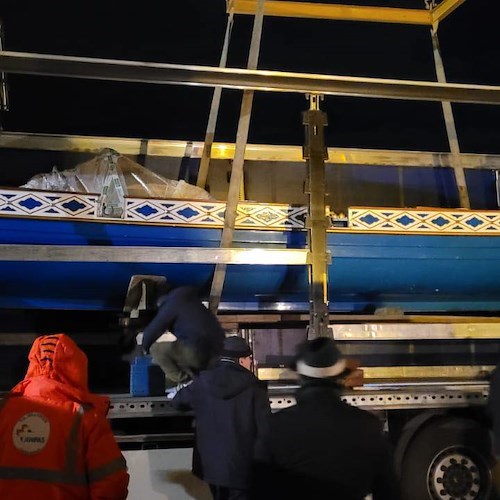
x=315, y=152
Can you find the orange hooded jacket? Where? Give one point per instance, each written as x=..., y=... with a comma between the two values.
x=55, y=440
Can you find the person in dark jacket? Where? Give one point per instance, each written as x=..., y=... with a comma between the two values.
x=198, y=335
x=232, y=412
x=322, y=447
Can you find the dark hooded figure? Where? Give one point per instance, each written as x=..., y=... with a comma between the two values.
x=232, y=413
x=323, y=448
x=198, y=335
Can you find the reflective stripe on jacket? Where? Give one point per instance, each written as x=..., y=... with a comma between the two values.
x=56, y=446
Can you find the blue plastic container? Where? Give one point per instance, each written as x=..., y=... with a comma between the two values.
x=146, y=378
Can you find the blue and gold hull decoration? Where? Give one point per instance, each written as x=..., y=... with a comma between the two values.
x=258, y=216
x=418, y=260
x=187, y=213
x=424, y=221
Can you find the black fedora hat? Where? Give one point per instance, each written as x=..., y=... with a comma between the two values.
x=319, y=358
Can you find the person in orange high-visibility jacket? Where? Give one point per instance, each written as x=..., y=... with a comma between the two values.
x=55, y=440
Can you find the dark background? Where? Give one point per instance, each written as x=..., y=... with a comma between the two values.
x=192, y=31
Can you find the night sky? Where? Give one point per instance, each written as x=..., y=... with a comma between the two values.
x=191, y=32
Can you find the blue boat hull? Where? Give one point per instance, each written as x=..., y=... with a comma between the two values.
x=417, y=273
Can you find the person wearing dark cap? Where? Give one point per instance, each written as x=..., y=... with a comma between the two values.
x=323, y=447
x=232, y=412
x=197, y=335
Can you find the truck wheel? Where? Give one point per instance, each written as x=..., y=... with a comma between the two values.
x=449, y=459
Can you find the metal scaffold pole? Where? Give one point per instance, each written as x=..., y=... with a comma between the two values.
x=239, y=159
x=451, y=129
x=315, y=152
x=214, y=112
x=4, y=96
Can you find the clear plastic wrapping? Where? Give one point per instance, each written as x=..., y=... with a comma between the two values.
x=136, y=181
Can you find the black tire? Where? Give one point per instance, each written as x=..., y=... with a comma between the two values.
x=449, y=458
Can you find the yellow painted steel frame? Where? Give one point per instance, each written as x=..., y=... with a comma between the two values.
x=282, y=8
x=253, y=152
x=444, y=9
x=394, y=373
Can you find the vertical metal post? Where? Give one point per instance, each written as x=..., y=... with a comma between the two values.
x=497, y=185
x=4, y=98
x=315, y=152
x=239, y=158
x=214, y=112
x=401, y=187
x=450, y=126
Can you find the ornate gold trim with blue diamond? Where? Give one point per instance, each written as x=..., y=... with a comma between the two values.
x=428, y=220
x=210, y=214
x=259, y=216
x=15, y=202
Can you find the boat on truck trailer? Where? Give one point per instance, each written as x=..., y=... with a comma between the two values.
x=426, y=260
x=410, y=292
x=414, y=292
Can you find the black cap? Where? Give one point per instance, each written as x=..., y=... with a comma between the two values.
x=235, y=347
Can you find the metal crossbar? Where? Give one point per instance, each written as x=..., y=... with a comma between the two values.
x=244, y=79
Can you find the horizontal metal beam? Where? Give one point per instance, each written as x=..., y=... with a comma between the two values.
x=399, y=399
x=383, y=400
x=334, y=12
x=396, y=373
x=339, y=322
x=253, y=152
x=380, y=398
x=340, y=12
x=398, y=318
x=174, y=437
x=126, y=406
x=267, y=81
x=407, y=331
x=158, y=255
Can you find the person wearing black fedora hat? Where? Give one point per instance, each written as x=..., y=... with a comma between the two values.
x=232, y=413
x=323, y=447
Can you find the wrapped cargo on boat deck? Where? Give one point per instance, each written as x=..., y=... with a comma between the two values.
x=135, y=180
